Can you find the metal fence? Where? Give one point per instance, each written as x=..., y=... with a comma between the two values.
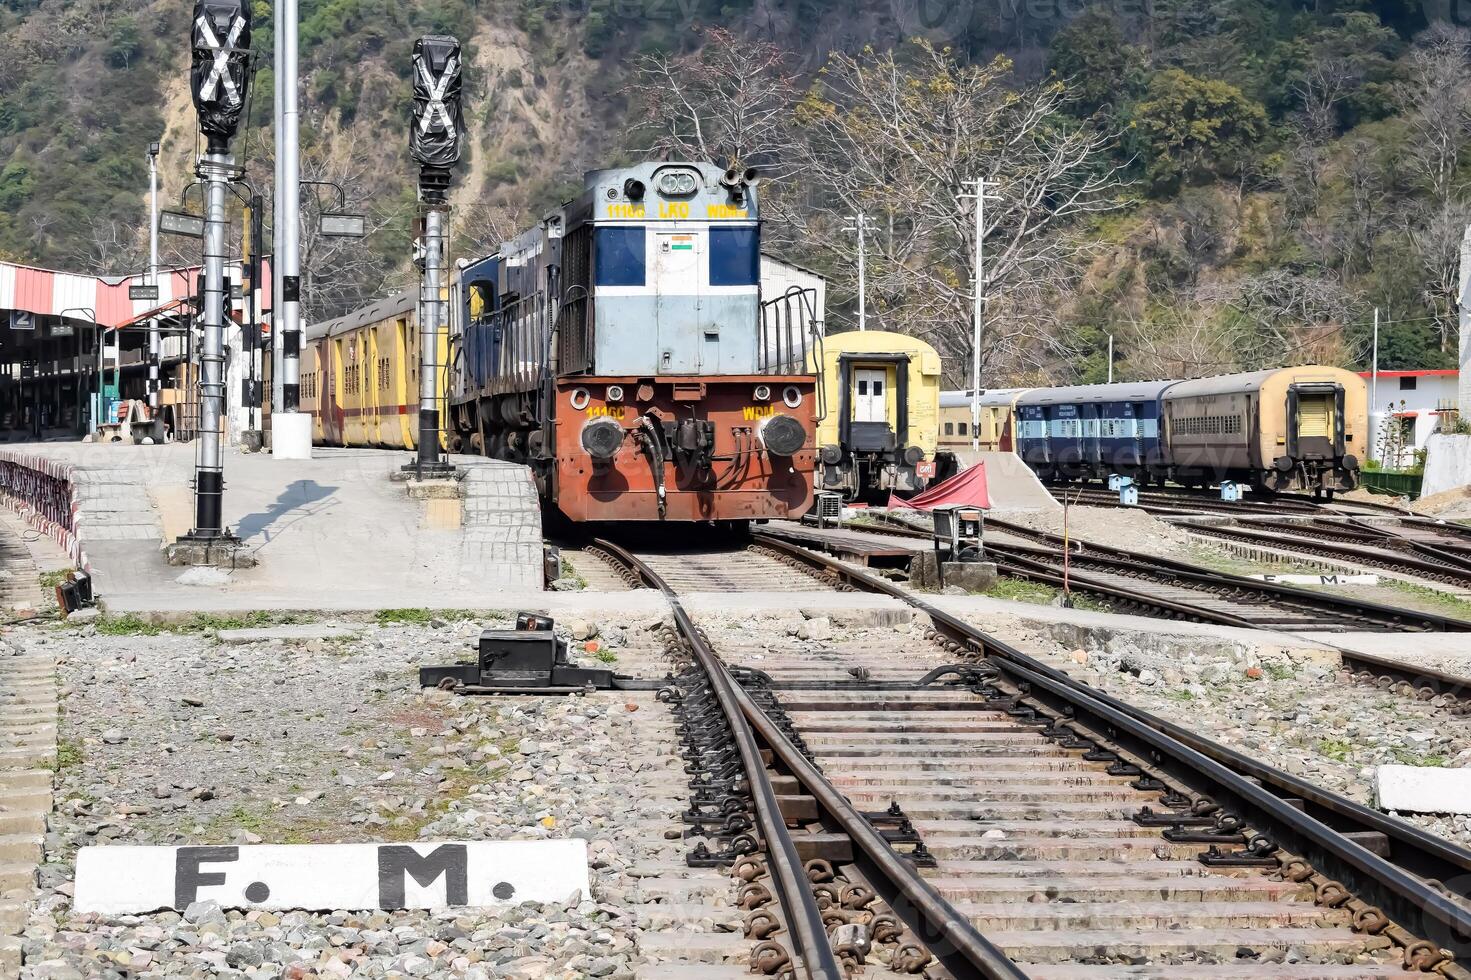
x=1398, y=484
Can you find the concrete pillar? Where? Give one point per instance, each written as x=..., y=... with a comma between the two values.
x=1463, y=302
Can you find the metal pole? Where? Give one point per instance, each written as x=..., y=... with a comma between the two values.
x=278, y=212
x=209, y=477
x=430, y=304
x=1110, y=358
x=155, y=344
x=859, y=219
x=976, y=315
x=290, y=438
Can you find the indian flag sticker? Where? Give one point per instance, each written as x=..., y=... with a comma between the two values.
x=682, y=243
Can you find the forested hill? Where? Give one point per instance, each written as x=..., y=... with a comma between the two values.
x=1216, y=184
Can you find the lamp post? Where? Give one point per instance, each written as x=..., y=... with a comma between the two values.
x=434, y=144
x=155, y=345
x=218, y=80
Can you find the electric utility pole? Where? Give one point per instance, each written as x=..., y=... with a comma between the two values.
x=859, y=224
x=434, y=144
x=980, y=196
x=218, y=80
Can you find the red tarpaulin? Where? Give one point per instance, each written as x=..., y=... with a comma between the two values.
x=966, y=489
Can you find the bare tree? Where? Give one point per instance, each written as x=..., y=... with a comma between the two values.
x=731, y=102
x=1436, y=96
x=341, y=274
x=1176, y=335
x=1435, y=242
x=112, y=249
x=900, y=138
x=1293, y=317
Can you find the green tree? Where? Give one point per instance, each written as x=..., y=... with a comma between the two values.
x=1098, y=66
x=1191, y=128
x=124, y=43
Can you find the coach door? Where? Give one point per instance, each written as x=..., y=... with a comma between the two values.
x=1315, y=421
x=683, y=333
x=869, y=395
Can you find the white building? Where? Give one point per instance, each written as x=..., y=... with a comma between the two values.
x=1405, y=409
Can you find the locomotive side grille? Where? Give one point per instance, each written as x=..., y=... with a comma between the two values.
x=574, y=341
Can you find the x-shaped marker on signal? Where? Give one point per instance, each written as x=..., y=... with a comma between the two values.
x=437, y=107
x=220, y=73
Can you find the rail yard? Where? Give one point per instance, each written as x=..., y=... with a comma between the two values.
x=583, y=599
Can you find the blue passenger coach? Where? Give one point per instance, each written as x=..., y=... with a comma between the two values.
x=1091, y=431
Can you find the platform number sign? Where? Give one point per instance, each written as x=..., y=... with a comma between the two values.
x=122, y=880
x=925, y=469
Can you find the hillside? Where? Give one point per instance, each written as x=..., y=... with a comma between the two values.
x=1271, y=172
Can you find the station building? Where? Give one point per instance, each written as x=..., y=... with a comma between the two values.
x=1406, y=408
x=75, y=345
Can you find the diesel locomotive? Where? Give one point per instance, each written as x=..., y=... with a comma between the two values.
x=621, y=348
x=1299, y=428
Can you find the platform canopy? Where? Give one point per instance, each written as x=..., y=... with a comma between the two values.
x=44, y=292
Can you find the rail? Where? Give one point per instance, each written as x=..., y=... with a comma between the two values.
x=1196, y=575
x=1423, y=883
x=949, y=935
x=804, y=918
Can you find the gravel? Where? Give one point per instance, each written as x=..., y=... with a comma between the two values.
x=1294, y=712
x=175, y=739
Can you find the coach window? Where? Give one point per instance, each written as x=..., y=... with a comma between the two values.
x=963, y=427
x=735, y=256
x=950, y=428
x=619, y=256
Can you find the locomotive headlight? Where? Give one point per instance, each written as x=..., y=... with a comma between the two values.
x=782, y=435
x=601, y=438
x=677, y=183
x=762, y=393
x=615, y=393
x=791, y=396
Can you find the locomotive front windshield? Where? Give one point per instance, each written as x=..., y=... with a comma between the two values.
x=621, y=254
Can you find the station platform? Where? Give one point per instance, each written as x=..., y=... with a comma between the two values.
x=330, y=532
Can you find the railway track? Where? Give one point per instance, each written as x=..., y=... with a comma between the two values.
x=1450, y=566
x=1405, y=679
x=1041, y=828
x=1180, y=590
x=1185, y=503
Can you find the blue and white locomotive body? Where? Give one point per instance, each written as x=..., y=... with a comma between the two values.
x=622, y=349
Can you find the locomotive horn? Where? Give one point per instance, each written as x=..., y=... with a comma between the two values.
x=731, y=178
x=751, y=177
